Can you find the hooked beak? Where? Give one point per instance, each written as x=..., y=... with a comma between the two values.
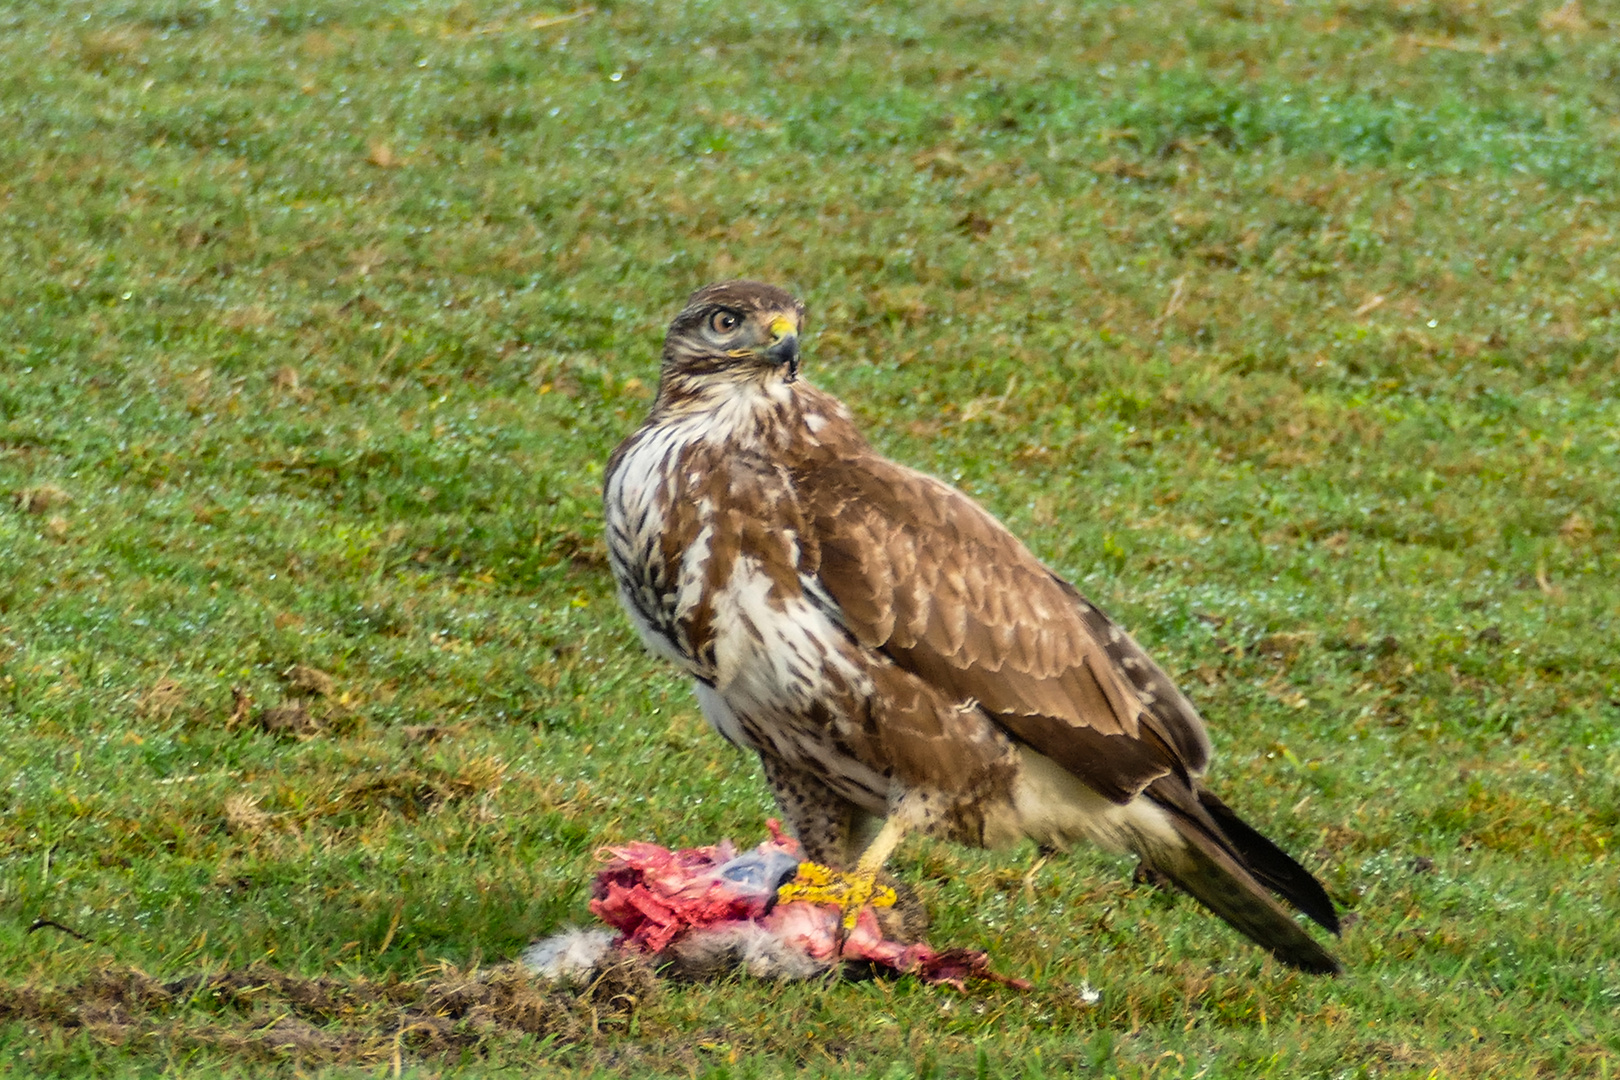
x=784, y=347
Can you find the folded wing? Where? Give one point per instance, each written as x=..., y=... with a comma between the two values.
x=923, y=574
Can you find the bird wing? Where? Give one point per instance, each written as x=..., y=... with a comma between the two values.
x=922, y=573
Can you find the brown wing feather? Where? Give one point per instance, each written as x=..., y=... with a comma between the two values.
x=925, y=575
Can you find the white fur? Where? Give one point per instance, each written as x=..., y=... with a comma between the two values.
x=748, y=945
x=569, y=955
x=573, y=955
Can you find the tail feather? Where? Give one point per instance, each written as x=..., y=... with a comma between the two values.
x=1271, y=865
x=1219, y=881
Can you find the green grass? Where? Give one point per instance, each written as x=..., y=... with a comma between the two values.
x=1288, y=331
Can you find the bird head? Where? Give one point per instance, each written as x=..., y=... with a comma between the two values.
x=735, y=331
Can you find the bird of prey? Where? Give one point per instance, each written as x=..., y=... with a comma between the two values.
x=892, y=652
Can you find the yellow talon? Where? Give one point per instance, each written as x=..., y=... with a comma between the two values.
x=823, y=885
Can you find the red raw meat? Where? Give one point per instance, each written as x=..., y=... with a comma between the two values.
x=656, y=897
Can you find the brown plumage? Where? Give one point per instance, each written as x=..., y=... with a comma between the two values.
x=891, y=651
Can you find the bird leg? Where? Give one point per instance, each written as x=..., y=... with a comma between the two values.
x=859, y=887
x=1043, y=855
x=863, y=886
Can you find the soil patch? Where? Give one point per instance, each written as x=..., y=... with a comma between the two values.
x=263, y=1011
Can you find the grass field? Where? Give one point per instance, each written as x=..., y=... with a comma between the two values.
x=1289, y=331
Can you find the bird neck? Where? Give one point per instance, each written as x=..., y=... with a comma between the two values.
x=762, y=409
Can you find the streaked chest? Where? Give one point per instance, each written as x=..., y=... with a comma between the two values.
x=658, y=509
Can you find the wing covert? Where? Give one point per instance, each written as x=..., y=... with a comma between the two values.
x=924, y=574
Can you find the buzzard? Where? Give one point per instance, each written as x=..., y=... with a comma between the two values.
x=892, y=652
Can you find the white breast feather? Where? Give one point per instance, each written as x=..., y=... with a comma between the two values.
x=799, y=656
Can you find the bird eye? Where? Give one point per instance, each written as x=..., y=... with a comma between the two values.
x=724, y=322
